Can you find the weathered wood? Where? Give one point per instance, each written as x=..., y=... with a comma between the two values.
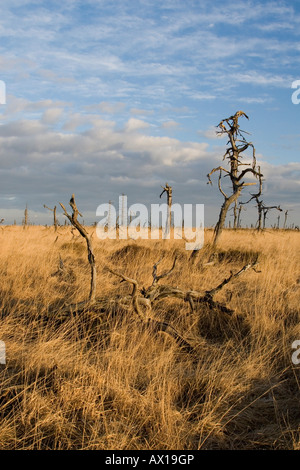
x=152, y=323
x=91, y=258
x=168, y=190
x=55, y=223
x=156, y=293
x=237, y=145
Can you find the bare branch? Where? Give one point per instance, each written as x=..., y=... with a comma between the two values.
x=134, y=293
x=213, y=291
x=91, y=258
x=153, y=324
x=249, y=170
x=214, y=170
x=161, y=276
x=220, y=187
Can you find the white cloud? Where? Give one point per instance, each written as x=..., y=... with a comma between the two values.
x=210, y=133
x=257, y=78
x=134, y=124
x=253, y=100
x=51, y=116
x=106, y=107
x=130, y=60
x=169, y=125
x=139, y=111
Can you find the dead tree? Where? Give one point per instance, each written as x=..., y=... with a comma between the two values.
x=262, y=209
x=237, y=145
x=285, y=219
x=278, y=222
x=239, y=224
x=91, y=258
x=168, y=190
x=148, y=297
x=25, y=220
x=265, y=210
x=55, y=224
x=235, y=215
x=259, y=202
x=237, y=209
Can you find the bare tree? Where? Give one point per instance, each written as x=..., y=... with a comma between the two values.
x=278, y=221
x=168, y=190
x=259, y=202
x=235, y=214
x=239, y=218
x=237, y=145
x=285, y=218
x=55, y=224
x=266, y=209
x=91, y=258
x=237, y=209
x=262, y=209
x=25, y=220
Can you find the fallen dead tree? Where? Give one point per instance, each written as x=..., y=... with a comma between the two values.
x=154, y=293
x=142, y=301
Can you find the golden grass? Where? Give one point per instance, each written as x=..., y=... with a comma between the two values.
x=104, y=382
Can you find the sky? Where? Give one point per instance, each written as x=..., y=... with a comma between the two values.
x=111, y=97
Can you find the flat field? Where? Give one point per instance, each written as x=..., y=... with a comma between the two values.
x=98, y=378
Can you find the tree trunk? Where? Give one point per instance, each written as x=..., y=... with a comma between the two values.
x=235, y=215
x=222, y=217
x=259, y=222
x=54, y=219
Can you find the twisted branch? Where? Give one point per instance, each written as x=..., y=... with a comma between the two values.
x=91, y=258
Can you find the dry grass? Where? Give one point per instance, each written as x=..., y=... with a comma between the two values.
x=101, y=381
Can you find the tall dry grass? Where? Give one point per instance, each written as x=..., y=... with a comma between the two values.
x=99, y=380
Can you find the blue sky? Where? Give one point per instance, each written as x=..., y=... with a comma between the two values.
x=112, y=97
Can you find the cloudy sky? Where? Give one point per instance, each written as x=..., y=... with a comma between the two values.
x=105, y=97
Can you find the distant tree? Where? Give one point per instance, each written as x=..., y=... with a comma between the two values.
x=168, y=190
x=266, y=209
x=55, y=223
x=25, y=220
x=285, y=218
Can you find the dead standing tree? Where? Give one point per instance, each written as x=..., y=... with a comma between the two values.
x=262, y=209
x=259, y=202
x=237, y=145
x=266, y=209
x=239, y=222
x=285, y=219
x=91, y=258
x=168, y=190
x=25, y=220
x=237, y=209
x=55, y=223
